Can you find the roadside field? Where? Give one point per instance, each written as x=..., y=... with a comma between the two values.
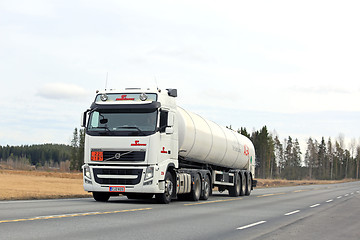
x=16, y=185
x=19, y=185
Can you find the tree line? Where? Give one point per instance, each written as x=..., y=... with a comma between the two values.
x=323, y=159
x=37, y=155
x=51, y=156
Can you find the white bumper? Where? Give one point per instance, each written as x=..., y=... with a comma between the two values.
x=126, y=179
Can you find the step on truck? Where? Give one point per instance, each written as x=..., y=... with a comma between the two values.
x=140, y=144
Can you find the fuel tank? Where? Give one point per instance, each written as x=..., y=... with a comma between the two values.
x=204, y=141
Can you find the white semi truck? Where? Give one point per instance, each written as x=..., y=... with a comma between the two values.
x=139, y=143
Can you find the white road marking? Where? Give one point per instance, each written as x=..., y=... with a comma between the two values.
x=352, y=193
x=330, y=200
x=290, y=213
x=315, y=205
x=339, y=197
x=346, y=195
x=251, y=225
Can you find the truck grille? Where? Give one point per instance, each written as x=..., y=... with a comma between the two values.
x=124, y=156
x=117, y=176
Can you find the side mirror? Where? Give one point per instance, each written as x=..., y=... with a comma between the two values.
x=83, y=119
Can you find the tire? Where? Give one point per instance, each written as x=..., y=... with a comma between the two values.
x=196, y=189
x=207, y=188
x=101, y=196
x=165, y=197
x=235, y=190
x=248, y=184
x=243, y=184
x=140, y=196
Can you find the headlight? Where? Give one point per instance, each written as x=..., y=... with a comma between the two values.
x=87, y=172
x=149, y=173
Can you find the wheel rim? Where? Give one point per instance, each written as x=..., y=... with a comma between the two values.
x=169, y=187
x=198, y=189
x=207, y=187
x=238, y=185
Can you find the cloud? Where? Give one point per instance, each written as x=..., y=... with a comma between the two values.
x=322, y=90
x=61, y=91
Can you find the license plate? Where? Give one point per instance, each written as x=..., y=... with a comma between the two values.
x=117, y=189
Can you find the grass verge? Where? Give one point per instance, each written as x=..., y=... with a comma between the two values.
x=21, y=185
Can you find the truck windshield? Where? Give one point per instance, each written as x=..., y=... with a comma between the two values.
x=122, y=123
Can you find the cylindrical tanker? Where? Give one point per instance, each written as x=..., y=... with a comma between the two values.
x=204, y=141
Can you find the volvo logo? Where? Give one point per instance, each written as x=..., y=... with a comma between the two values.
x=117, y=156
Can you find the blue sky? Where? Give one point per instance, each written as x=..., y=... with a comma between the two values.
x=290, y=65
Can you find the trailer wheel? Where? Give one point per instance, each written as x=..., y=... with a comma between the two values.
x=207, y=188
x=169, y=190
x=196, y=189
x=235, y=190
x=101, y=196
x=248, y=184
x=243, y=184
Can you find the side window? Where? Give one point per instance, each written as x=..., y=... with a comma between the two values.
x=163, y=120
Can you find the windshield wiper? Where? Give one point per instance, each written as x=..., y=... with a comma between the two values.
x=132, y=127
x=107, y=129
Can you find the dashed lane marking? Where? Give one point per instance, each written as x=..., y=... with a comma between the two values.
x=72, y=215
x=339, y=197
x=291, y=213
x=330, y=200
x=251, y=225
x=300, y=191
x=215, y=201
x=271, y=194
x=315, y=205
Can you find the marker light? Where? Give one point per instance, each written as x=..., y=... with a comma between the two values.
x=143, y=97
x=104, y=97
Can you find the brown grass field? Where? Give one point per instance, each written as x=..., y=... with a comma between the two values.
x=20, y=185
x=16, y=185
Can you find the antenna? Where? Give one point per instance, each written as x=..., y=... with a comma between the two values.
x=157, y=87
x=107, y=73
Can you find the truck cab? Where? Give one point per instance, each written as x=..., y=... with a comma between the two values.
x=130, y=143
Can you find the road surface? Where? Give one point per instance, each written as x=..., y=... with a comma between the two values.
x=301, y=212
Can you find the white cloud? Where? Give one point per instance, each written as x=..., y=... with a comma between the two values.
x=61, y=91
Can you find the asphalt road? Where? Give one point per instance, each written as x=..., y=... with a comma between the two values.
x=302, y=212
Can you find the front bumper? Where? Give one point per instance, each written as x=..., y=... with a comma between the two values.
x=130, y=179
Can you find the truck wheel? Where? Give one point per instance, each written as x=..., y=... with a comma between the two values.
x=101, y=196
x=248, y=184
x=169, y=190
x=207, y=188
x=196, y=189
x=243, y=184
x=235, y=190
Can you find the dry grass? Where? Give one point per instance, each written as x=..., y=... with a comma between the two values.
x=264, y=183
x=16, y=184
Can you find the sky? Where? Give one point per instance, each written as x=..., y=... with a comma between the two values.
x=290, y=65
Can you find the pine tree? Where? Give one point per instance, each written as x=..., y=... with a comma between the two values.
x=74, y=150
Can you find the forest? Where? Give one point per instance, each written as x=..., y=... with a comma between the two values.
x=323, y=159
